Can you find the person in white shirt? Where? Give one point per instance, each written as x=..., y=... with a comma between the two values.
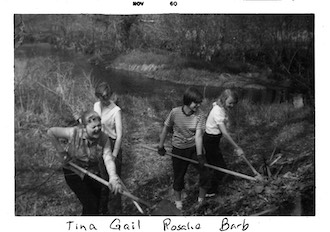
x=216, y=127
x=111, y=120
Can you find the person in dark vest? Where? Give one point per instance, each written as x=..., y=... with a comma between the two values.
x=88, y=147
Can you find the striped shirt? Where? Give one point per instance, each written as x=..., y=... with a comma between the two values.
x=184, y=127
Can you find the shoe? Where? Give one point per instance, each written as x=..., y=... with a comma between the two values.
x=200, y=200
x=211, y=193
x=198, y=205
x=184, y=195
x=178, y=205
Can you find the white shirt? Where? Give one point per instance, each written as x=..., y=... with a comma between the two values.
x=107, y=118
x=216, y=117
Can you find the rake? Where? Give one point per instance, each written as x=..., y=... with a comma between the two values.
x=165, y=207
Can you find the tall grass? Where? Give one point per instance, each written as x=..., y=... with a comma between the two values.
x=46, y=94
x=139, y=57
x=271, y=114
x=46, y=88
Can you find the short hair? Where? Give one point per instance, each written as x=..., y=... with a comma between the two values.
x=101, y=87
x=192, y=95
x=89, y=116
x=228, y=93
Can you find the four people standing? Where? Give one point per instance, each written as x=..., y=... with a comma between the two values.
x=192, y=138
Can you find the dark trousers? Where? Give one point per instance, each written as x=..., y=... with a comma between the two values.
x=110, y=203
x=87, y=190
x=180, y=168
x=214, y=157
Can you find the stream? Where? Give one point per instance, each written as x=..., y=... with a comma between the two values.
x=125, y=82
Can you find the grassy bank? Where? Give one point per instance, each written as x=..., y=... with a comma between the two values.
x=163, y=65
x=47, y=94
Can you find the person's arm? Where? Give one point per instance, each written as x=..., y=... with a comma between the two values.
x=199, y=141
x=56, y=133
x=226, y=135
x=97, y=108
x=119, y=131
x=110, y=165
x=162, y=137
x=199, y=148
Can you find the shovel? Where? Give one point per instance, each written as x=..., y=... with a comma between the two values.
x=165, y=207
x=206, y=165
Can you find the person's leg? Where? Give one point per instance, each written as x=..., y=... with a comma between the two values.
x=83, y=192
x=95, y=188
x=213, y=157
x=204, y=179
x=179, y=170
x=104, y=195
x=220, y=162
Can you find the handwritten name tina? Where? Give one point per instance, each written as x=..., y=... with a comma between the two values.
x=167, y=225
x=115, y=224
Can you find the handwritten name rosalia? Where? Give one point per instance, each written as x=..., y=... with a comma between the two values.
x=167, y=225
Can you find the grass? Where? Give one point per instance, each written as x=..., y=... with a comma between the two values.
x=170, y=66
x=162, y=65
x=47, y=94
x=139, y=57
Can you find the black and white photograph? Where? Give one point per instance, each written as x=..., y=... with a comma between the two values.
x=201, y=121
x=235, y=92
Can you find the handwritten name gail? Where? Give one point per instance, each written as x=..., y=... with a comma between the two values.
x=167, y=225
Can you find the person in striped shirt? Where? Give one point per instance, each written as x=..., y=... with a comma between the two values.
x=187, y=123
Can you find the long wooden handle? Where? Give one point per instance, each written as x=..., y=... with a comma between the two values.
x=250, y=165
x=206, y=165
x=134, y=202
x=106, y=183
